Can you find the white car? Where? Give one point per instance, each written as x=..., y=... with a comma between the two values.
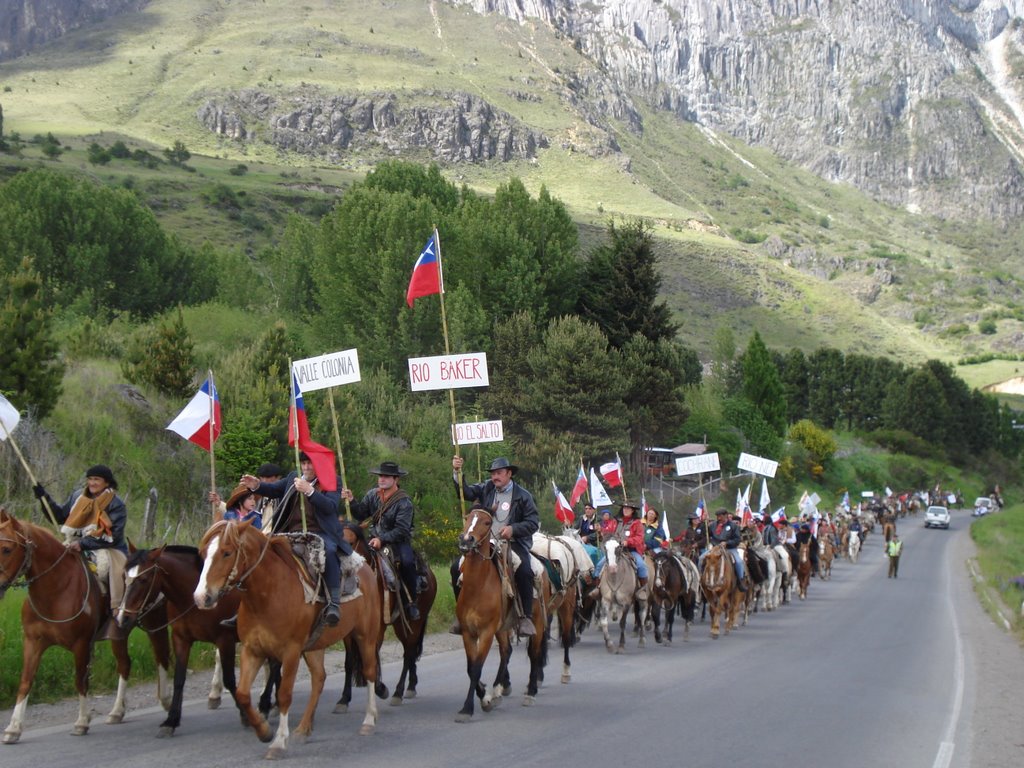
x=937, y=516
x=982, y=506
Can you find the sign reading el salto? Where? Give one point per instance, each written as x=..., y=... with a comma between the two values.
x=696, y=465
x=448, y=371
x=330, y=370
x=470, y=432
x=757, y=465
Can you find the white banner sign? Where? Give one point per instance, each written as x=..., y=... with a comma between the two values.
x=696, y=465
x=757, y=465
x=448, y=371
x=814, y=499
x=331, y=370
x=471, y=432
x=867, y=494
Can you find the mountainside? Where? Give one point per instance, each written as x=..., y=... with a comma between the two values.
x=724, y=124
x=26, y=24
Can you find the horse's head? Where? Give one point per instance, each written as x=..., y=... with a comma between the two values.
x=611, y=552
x=228, y=550
x=143, y=576
x=15, y=551
x=476, y=532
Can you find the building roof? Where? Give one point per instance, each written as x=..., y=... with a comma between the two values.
x=690, y=449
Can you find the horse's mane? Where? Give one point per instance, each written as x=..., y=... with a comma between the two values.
x=357, y=529
x=139, y=555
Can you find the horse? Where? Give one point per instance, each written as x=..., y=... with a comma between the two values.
x=276, y=621
x=803, y=569
x=888, y=528
x=568, y=557
x=674, y=588
x=721, y=589
x=486, y=613
x=854, y=547
x=410, y=632
x=825, y=555
x=619, y=590
x=159, y=584
x=65, y=607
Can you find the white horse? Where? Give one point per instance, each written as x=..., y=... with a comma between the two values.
x=784, y=569
x=765, y=593
x=854, y=550
x=619, y=590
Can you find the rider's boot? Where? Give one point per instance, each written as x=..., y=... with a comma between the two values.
x=332, y=613
x=643, y=582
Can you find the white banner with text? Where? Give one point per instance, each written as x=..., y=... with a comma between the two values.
x=448, y=371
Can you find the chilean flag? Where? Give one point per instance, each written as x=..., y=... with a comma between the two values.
x=612, y=472
x=563, y=512
x=321, y=456
x=426, y=274
x=579, y=489
x=701, y=509
x=193, y=423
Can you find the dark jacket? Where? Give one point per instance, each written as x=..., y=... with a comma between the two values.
x=729, y=535
x=523, y=517
x=116, y=511
x=394, y=525
x=770, y=535
x=322, y=505
x=587, y=529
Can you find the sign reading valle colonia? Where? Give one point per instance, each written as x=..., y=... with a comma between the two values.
x=757, y=465
x=695, y=465
x=448, y=371
x=470, y=432
x=330, y=370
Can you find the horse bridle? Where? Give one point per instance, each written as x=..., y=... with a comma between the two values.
x=475, y=546
x=26, y=561
x=148, y=608
x=233, y=581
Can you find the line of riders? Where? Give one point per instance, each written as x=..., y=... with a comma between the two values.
x=93, y=522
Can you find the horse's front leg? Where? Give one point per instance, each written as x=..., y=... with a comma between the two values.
x=622, y=631
x=643, y=628
x=182, y=650
x=270, y=687
x=32, y=652
x=502, y=682
x=317, y=675
x=477, y=648
x=251, y=663
x=656, y=619
x=606, y=610
x=124, y=668
x=216, y=684
x=341, y=707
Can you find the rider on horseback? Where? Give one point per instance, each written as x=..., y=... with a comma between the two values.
x=632, y=541
x=725, y=531
x=803, y=536
x=515, y=520
x=389, y=511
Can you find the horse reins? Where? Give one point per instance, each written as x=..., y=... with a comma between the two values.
x=148, y=608
x=26, y=564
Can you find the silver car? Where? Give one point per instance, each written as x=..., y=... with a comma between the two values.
x=936, y=516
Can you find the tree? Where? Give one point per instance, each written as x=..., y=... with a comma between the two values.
x=794, y=375
x=504, y=398
x=622, y=286
x=177, y=154
x=98, y=155
x=30, y=368
x=918, y=406
x=825, y=386
x=762, y=385
x=163, y=358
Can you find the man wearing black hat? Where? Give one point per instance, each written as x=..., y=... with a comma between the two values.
x=93, y=521
x=515, y=520
x=267, y=473
x=725, y=531
x=321, y=518
x=390, y=513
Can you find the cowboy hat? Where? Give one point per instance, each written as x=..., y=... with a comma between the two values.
x=390, y=469
x=502, y=463
x=627, y=504
x=238, y=495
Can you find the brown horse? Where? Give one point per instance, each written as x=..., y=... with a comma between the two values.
x=275, y=621
x=159, y=584
x=410, y=633
x=485, y=612
x=64, y=607
x=825, y=557
x=674, y=589
x=720, y=588
x=803, y=569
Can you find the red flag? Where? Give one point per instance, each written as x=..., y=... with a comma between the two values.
x=612, y=473
x=193, y=423
x=321, y=456
x=563, y=511
x=579, y=489
x=426, y=274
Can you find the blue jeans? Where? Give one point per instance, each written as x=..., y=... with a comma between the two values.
x=641, y=566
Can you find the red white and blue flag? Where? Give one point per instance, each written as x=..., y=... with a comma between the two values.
x=701, y=509
x=194, y=422
x=579, y=489
x=612, y=472
x=426, y=274
x=563, y=510
x=321, y=456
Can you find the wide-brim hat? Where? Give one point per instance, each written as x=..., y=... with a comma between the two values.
x=693, y=516
x=502, y=463
x=629, y=504
x=238, y=495
x=389, y=469
x=722, y=511
x=102, y=470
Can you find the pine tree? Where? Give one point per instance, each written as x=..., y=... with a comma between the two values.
x=762, y=385
x=30, y=369
x=163, y=358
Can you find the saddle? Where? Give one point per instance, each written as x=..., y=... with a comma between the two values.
x=311, y=555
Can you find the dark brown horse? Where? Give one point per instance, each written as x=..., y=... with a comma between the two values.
x=803, y=569
x=721, y=591
x=486, y=613
x=159, y=585
x=64, y=607
x=275, y=621
x=410, y=633
x=674, y=589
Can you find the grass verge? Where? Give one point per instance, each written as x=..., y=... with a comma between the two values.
x=999, y=540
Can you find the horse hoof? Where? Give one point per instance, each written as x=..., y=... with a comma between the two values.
x=411, y=693
x=80, y=730
x=165, y=732
x=395, y=701
x=340, y=709
x=462, y=717
x=115, y=719
x=264, y=734
x=487, y=706
x=529, y=701
x=643, y=643
x=367, y=730
x=213, y=702
x=274, y=753
x=300, y=737
x=566, y=678
x=10, y=737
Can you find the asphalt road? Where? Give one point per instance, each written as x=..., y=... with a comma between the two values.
x=866, y=671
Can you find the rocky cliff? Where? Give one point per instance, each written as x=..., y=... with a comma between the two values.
x=25, y=24
x=918, y=102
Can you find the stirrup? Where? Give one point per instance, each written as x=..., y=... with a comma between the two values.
x=332, y=614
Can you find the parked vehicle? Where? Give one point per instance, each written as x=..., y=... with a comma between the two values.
x=937, y=517
x=982, y=506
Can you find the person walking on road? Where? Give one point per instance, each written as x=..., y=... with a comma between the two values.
x=893, y=550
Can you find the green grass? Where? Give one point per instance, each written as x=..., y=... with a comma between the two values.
x=1000, y=541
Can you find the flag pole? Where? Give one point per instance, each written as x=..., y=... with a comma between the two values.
x=213, y=463
x=295, y=431
x=46, y=502
x=337, y=445
x=622, y=476
x=448, y=351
